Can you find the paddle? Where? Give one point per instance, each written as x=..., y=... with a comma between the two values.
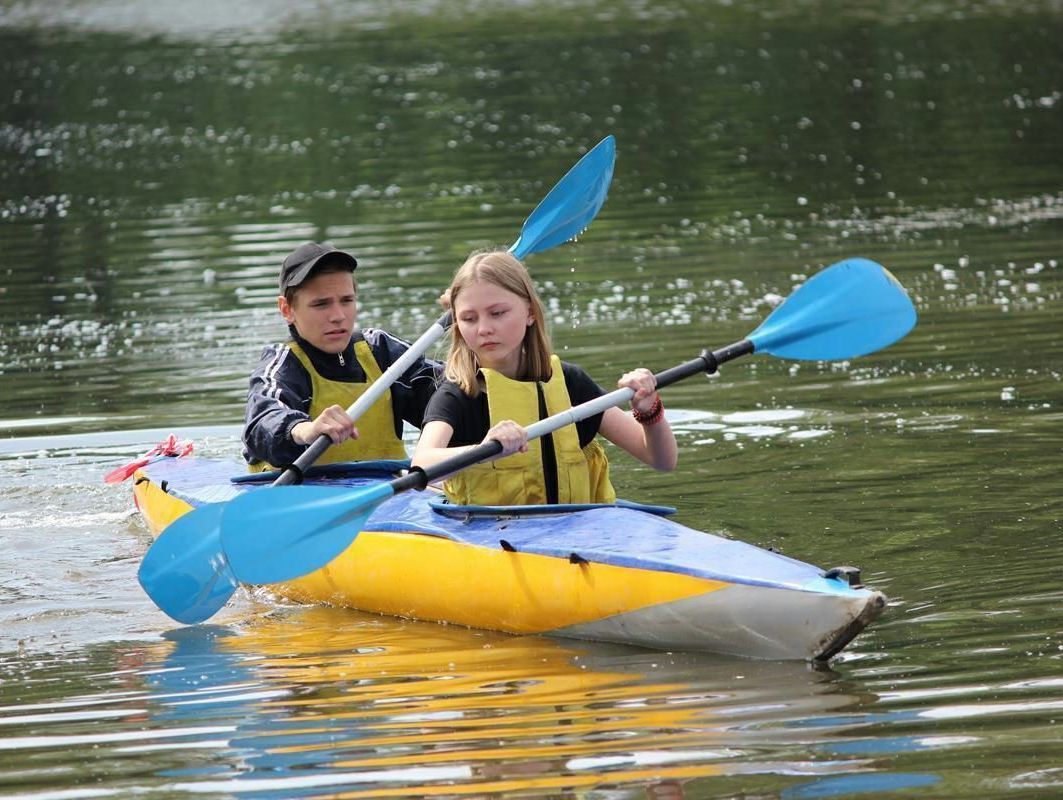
x=563, y=214
x=847, y=310
x=185, y=572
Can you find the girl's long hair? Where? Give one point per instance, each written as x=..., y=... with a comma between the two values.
x=502, y=269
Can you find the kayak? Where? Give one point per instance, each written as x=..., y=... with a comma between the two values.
x=621, y=573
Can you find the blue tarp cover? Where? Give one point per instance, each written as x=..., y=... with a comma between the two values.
x=620, y=536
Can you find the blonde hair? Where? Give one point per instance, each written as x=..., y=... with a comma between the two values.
x=504, y=270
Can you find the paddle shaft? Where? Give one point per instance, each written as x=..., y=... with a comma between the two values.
x=707, y=362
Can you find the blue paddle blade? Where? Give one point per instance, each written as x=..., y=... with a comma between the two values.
x=184, y=571
x=572, y=204
x=280, y=533
x=849, y=309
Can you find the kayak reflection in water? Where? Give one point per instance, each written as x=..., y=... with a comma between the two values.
x=501, y=375
x=301, y=388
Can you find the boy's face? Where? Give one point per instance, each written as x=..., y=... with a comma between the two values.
x=324, y=310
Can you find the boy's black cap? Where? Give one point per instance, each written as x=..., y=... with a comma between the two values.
x=307, y=256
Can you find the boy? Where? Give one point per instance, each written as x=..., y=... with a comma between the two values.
x=302, y=388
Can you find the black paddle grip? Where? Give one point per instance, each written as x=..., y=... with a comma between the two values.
x=312, y=454
x=420, y=477
x=707, y=362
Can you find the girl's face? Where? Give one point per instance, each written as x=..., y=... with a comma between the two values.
x=323, y=310
x=492, y=321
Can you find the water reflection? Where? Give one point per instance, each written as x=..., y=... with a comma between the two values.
x=855, y=785
x=312, y=701
x=314, y=698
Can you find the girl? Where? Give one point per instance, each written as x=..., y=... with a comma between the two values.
x=501, y=376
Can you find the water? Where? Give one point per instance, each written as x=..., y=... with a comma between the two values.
x=156, y=164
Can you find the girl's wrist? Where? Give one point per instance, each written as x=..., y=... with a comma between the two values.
x=651, y=417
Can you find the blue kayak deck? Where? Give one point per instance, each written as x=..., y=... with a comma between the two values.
x=614, y=535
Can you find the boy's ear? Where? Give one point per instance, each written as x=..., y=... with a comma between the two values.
x=286, y=309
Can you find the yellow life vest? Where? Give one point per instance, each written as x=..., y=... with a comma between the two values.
x=518, y=479
x=376, y=427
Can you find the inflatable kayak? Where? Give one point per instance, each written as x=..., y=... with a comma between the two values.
x=618, y=573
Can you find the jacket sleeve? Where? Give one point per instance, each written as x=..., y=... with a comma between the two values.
x=277, y=400
x=414, y=388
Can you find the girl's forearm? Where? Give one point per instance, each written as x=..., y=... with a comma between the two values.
x=430, y=456
x=661, y=449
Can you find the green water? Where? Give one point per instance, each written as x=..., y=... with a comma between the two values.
x=157, y=163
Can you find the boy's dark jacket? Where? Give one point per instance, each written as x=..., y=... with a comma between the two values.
x=279, y=394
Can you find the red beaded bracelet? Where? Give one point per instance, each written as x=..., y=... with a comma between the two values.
x=651, y=417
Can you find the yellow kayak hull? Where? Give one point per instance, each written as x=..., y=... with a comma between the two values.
x=416, y=575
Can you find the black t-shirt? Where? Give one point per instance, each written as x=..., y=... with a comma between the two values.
x=470, y=418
